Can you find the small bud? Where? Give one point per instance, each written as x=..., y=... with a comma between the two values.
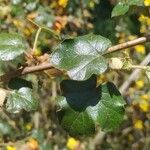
x=115, y=63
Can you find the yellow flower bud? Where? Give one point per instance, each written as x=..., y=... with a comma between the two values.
x=140, y=49
x=139, y=84
x=138, y=124
x=72, y=144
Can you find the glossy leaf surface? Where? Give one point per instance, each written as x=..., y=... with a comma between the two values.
x=82, y=56
x=21, y=99
x=11, y=46
x=83, y=107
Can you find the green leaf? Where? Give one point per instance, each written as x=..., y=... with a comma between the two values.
x=82, y=56
x=136, y=2
x=5, y=128
x=46, y=146
x=38, y=135
x=17, y=83
x=111, y=107
x=21, y=100
x=83, y=107
x=120, y=9
x=8, y=66
x=11, y=46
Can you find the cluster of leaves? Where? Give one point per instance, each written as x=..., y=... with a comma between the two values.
x=77, y=56
x=84, y=105
x=20, y=98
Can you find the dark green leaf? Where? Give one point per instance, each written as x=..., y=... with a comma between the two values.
x=82, y=56
x=11, y=46
x=21, y=100
x=120, y=9
x=17, y=83
x=83, y=107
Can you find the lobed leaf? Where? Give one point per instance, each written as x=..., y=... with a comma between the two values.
x=21, y=99
x=83, y=107
x=11, y=46
x=82, y=56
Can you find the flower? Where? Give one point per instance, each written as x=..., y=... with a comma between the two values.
x=145, y=23
x=144, y=19
x=138, y=124
x=147, y=2
x=63, y=3
x=72, y=144
x=33, y=144
x=10, y=148
x=145, y=97
x=140, y=49
x=144, y=106
x=139, y=84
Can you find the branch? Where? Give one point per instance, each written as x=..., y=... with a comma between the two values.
x=9, y=75
x=128, y=44
x=134, y=76
x=26, y=70
x=143, y=67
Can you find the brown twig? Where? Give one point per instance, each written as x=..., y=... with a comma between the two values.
x=47, y=66
x=6, y=77
x=128, y=44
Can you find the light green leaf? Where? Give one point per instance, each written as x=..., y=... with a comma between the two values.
x=11, y=46
x=82, y=56
x=83, y=107
x=136, y=2
x=120, y=9
x=21, y=100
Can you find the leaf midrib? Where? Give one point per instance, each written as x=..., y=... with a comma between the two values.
x=86, y=65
